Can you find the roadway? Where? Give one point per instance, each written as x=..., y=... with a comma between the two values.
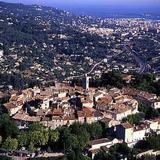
x=143, y=65
x=92, y=69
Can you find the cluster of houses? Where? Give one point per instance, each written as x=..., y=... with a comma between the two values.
x=125, y=132
x=63, y=104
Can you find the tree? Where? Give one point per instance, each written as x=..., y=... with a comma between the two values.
x=23, y=139
x=5, y=158
x=146, y=82
x=40, y=135
x=36, y=136
x=53, y=136
x=134, y=119
x=121, y=149
x=149, y=112
x=95, y=130
x=112, y=78
x=83, y=139
x=104, y=156
x=118, y=151
x=71, y=142
x=36, y=127
x=10, y=144
x=77, y=155
x=154, y=142
x=142, y=145
x=31, y=147
x=7, y=127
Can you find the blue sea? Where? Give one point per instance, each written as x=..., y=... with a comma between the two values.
x=150, y=12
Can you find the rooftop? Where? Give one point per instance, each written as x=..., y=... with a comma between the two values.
x=126, y=125
x=99, y=141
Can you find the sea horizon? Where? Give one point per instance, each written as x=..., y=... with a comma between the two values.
x=103, y=11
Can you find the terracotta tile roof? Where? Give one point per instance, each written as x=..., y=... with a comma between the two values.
x=136, y=92
x=41, y=112
x=71, y=117
x=86, y=101
x=13, y=98
x=25, y=117
x=9, y=105
x=20, y=102
x=99, y=141
x=57, y=112
x=98, y=94
x=106, y=120
x=46, y=92
x=126, y=125
x=142, y=126
x=104, y=100
x=85, y=112
x=120, y=108
x=157, y=120
x=81, y=114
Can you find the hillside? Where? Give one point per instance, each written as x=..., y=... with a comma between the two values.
x=39, y=44
x=31, y=36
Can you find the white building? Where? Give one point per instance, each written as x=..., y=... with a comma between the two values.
x=96, y=145
x=132, y=134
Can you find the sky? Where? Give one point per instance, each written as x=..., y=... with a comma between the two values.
x=84, y=6
x=89, y=2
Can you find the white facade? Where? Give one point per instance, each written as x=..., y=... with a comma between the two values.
x=100, y=95
x=61, y=94
x=13, y=111
x=87, y=83
x=120, y=116
x=138, y=135
x=45, y=104
x=156, y=105
x=128, y=135
x=106, y=142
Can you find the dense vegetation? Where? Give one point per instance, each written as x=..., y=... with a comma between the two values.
x=134, y=119
x=146, y=112
x=152, y=142
x=120, y=151
x=36, y=39
x=146, y=82
x=70, y=140
x=31, y=35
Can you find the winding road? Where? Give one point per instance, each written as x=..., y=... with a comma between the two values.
x=92, y=69
x=143, y=65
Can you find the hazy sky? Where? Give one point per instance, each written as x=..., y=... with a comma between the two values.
x=89, y=2
x=99, y=7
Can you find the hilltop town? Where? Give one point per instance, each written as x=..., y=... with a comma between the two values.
x=78, y=87
x=65, y=105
